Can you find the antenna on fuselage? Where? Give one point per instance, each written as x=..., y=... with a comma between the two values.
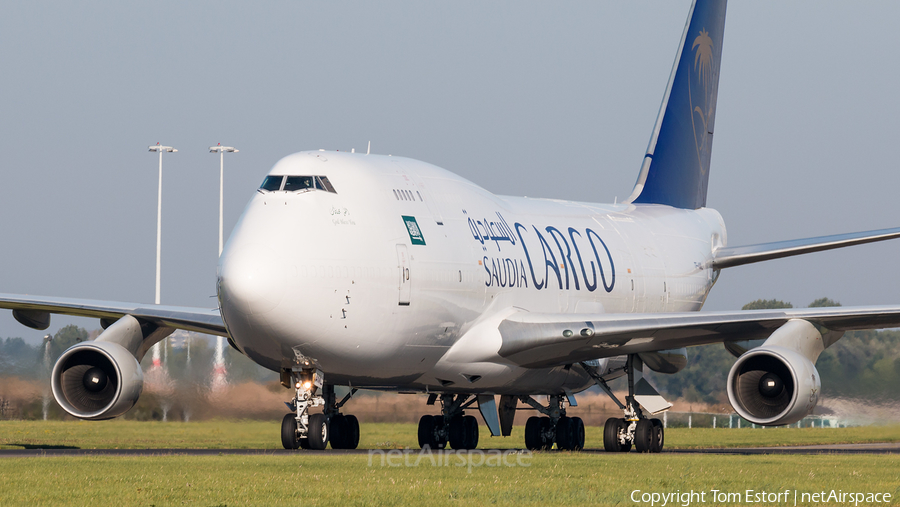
x=369, y=149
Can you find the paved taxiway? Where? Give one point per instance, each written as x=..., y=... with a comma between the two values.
x=877, y=448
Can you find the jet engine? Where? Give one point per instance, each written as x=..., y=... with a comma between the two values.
x=97, y=380
x=777, y=383
x=103, y=379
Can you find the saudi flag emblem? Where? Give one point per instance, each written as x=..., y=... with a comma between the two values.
x=412, y=227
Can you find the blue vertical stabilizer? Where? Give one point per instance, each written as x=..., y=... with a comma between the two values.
x=675, y=170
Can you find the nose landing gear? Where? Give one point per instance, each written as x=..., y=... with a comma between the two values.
x=301, y=429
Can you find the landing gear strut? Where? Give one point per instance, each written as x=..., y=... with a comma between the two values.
x=635, y=429
x=542, y=432
x=452, y=426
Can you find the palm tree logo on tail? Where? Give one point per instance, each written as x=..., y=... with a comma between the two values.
x=706, y=74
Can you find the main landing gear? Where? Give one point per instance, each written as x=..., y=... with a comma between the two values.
x=635, y=429
x=647, y=435
x=542, y=432
x=302, y=429
x=451, y=426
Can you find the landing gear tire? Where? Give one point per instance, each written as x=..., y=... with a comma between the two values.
x=338, y=427
x=457, y=433
x=318, y=432
x=463, y=432
x=471, y=425
x=352, y=439
x=344, y=432
x=611, y=433
x=289, y=437
x=659, y=432
x=533, y=441
x=565, y=436
x=430, y=431
x=644, y=436
x=426, y=431
x=579, y=433
x=570, y=434
x=434, y=433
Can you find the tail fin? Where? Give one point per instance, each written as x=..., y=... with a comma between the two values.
x=675, y=170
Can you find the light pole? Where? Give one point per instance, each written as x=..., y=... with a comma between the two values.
x=219, y=377
x=218, y=148
x=160, y=149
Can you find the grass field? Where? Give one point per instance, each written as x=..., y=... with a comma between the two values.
x=306, y=478
x=548, y=479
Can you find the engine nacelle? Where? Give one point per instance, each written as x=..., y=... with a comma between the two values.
x=665, y=361
x=777, y=383
x=97, y=380
x=102, y=379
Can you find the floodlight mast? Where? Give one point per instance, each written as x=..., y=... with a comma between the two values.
x=219, y=375
x=161, y=150
x=218, y=148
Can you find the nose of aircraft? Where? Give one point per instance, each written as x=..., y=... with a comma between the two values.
x=251, y=278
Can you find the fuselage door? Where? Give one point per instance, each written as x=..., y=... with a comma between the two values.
x=403, y=264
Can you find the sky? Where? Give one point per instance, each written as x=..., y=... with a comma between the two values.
x=504, y=93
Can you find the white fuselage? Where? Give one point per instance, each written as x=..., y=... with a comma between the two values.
x=379, y=279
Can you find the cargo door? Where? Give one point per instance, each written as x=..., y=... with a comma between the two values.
x=403, y=265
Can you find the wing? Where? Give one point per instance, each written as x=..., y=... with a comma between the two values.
x=34, y=309
x=538, y=340
x=727, y=257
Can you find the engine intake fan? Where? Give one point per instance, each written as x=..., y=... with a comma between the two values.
x=88, y=380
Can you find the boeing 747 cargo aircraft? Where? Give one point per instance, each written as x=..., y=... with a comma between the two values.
x=382, y=272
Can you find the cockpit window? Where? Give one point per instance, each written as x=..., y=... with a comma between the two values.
x=296, y=183
x=272, y=183
x=326, y=184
